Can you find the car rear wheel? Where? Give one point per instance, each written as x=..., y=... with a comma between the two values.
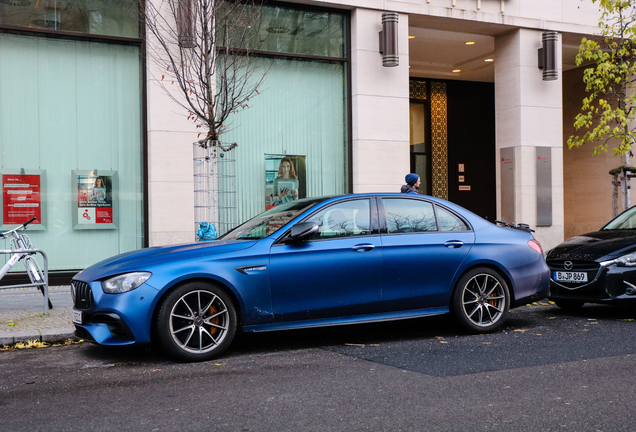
x=196, y=322
x=569, y=305
x=481, y=300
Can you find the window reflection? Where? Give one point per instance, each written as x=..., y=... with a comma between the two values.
x=302, y=32
x=449, y=221
x=351, y=218
x=407, y=216
x=290, y=30
x=269, y=222
x=100, y=17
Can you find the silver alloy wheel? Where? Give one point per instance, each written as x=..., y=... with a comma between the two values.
x=199, y=321
x=483, y=300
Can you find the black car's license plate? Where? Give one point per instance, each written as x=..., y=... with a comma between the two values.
x=572, y=277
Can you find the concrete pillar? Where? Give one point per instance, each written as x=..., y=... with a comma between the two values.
x=528, y=116
x=380, y=106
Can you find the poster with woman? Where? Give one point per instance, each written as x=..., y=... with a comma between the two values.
x=284, y=179
x=95, y=199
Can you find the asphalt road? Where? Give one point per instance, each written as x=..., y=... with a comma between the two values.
x=544, y=371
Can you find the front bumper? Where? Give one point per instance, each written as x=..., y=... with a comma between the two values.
x=608, y=283
x=116, y=319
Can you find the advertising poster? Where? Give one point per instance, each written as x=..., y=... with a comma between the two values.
x=94, y=199
x=284, y=179
x=21, y=198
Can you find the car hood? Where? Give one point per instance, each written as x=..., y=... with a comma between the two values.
x=596, y=246
x=144, y=258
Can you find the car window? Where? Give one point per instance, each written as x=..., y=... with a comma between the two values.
x=270, y=221
x=346, y=219
x=409, y=215
x=624, y=221
x=449, y=221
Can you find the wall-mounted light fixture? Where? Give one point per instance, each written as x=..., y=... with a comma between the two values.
x=548, y=56
x=389, y=40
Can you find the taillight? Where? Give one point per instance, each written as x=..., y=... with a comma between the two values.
x=536, y=246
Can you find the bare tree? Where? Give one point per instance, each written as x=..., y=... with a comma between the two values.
x=204, y=50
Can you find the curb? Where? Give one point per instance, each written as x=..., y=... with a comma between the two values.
x=49, y=336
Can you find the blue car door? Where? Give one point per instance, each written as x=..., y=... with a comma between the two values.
x=422, y=247
x=337, y=273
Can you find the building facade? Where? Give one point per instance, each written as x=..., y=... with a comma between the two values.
x=466, y=107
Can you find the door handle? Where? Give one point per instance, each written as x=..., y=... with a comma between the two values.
x=363, y=247
x=454, y=244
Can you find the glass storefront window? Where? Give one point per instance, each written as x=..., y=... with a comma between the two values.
x=98, y=17
x=300, y=114
x=71, y=128
x=289, y=30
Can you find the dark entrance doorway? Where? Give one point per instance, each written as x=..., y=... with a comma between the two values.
x=465, y=158
x=471, y=145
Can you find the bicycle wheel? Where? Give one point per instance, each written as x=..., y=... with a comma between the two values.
x=33, y=270
x=36, y=275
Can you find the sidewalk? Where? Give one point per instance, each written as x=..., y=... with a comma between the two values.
x=22, y=315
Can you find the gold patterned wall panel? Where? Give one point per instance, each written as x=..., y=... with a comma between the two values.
x=439, y=140
x=417, y=89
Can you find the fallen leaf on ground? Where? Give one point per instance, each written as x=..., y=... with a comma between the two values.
x=30, y=344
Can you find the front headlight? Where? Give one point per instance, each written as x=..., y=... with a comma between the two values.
x=124, y=282
x=628, y=260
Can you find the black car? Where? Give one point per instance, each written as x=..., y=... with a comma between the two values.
x=597, y=267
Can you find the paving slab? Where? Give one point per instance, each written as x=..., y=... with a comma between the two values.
x=22, y=316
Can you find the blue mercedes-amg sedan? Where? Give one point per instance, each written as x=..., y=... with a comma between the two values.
x=313, y=262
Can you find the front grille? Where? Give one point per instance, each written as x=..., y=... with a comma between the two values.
x=82, y=295
x=577, y=266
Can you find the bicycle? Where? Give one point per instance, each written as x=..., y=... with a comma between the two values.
x=19, y=243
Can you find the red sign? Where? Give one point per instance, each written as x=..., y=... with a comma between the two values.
x=21, y=198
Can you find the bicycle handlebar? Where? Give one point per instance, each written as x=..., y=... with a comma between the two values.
x=29, y=221
x=19, y=227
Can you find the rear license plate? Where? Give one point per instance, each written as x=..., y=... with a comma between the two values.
x=77, y=317
x=572, y=277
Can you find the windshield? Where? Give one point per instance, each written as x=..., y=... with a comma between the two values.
x=266, y=224
x=624, y=221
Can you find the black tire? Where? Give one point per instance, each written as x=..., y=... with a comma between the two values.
x=480, y=301
x=569, y=305
x=196, y=322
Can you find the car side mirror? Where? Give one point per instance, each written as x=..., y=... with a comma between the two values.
x=303, y=231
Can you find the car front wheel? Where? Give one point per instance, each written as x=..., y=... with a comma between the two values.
x=196, y=322
x=480, y=301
